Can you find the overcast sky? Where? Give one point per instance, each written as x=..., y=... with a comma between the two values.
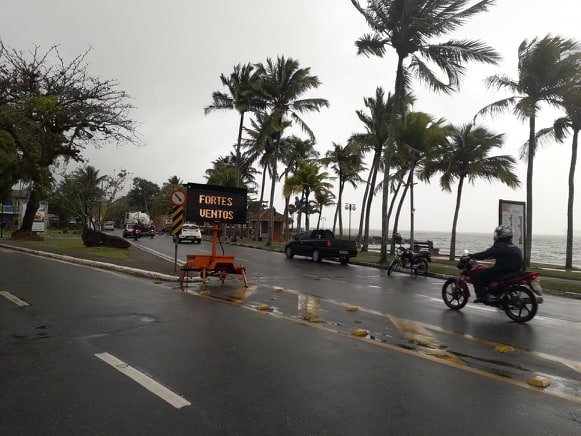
x=169, y=55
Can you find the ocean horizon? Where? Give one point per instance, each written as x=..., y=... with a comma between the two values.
x=549, y=249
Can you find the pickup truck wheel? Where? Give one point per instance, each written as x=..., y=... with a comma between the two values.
x=289, y=253
x=344, y=260
x=316, y=256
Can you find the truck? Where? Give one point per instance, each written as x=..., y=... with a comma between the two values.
x=321, y=244
x=136, y=224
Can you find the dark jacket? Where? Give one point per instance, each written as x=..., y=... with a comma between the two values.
x=508, y=257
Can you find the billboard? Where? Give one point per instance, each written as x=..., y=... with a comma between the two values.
x=216, y=204
x=513, y=214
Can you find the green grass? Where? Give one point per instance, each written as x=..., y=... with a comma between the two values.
x=74, y=246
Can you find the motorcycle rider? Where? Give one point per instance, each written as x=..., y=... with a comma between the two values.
x=508, y=259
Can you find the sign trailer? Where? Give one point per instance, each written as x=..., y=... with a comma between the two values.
x=214, y=204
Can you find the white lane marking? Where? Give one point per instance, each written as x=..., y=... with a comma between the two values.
x=147, y=382
x=14, y=298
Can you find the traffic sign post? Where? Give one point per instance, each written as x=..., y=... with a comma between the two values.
x=177, y=221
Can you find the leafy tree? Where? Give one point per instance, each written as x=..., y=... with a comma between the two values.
x=53, y=109
x=142, y=194
x=9, y=165
x=323, y=198
x=347, y=163
x=547, y=69
x=467, y=157
x=282, y=85
x=80, y=194
x=409, y=26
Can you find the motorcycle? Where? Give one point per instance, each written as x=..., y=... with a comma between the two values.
x=416, y=262
x=136, y=234
x=151, y=233
x=518, y=294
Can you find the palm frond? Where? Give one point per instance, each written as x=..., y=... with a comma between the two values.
x=427, y=76
x=497, y=107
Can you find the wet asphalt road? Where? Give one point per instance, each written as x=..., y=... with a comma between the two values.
x=294, y=368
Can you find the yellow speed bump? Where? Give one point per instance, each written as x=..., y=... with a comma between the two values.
x=351, y=308
x=504, y=349
x=360, y=333
x=157, y=281
x=539, y=381
x=278, y=289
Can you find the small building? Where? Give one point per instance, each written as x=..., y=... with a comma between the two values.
x=258, y=225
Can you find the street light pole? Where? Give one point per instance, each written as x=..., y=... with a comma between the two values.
x=350, y=207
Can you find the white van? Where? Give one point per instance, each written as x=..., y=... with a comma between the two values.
x=190, y=232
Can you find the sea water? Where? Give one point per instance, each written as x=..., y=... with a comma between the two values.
x=549, y=249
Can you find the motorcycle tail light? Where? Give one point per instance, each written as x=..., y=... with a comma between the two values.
x=534, y=276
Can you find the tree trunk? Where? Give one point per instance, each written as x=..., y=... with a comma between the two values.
x=397, y=98
x=364, y=208
x=31, y=208
x=365, y=244
x=455, y=222
x=391, y=204
x=570, y=202
x=272, y=190
x=412, y=169
x=397, y=213
x=529, y=212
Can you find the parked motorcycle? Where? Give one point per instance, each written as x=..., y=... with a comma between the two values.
x=518, y=294
x=407, y=259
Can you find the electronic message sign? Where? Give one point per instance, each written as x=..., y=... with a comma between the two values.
x=216, y=204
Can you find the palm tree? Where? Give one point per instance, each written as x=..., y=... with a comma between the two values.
x=375, y=138
x=323, y=198
x=241, y=87
x=292, y=151
x=418, y=135
x=307, y=180
x=282, y=84
x=467, y=157
x=347, y=163
x=546, y=70
x=408, y=27
x=572, y=121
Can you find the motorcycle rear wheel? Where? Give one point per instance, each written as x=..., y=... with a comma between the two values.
x=422, y=267
x=392, y=267
x=454, y=295
x=520, y=304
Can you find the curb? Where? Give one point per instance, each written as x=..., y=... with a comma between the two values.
x=96, y=264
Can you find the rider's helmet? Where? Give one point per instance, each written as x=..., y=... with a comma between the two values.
x=503, y=232
x=397, y=237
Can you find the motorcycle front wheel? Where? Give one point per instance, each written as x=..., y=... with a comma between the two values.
x=521, y=304
x=453, y=295
x=422, y=267
x=392, y=266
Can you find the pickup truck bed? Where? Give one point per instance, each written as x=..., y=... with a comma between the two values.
x=319, y=245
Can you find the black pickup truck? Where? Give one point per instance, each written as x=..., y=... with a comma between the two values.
x=319, y=245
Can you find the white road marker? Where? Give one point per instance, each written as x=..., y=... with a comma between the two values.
x=14, y=298
x=147, y=382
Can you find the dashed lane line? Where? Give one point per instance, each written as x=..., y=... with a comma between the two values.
x=147, y=382
x=14, y=299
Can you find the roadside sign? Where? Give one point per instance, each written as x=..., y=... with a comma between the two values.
x=177, y=217
x=178, y=197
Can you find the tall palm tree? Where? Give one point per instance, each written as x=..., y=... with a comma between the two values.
x=546, y=71
x=241, y=97
x=282, y=85
x=347, y=163
x=418, y=136
x=571, y=121
x=409, y=27
x=467, y=157
x=373, y=139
